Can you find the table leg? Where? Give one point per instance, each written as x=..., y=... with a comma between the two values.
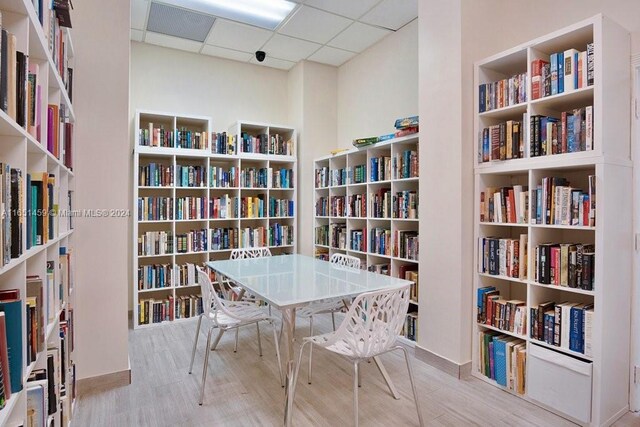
x=386, y=377
x=288, y=328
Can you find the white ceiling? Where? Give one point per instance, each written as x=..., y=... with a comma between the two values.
x=326, y=31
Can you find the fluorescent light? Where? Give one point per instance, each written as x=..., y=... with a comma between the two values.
x=261, y=13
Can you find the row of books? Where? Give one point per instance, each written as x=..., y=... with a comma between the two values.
x=339, y=177
x=503, y=93
x=410, y=326
x=281, y=207
x=380, y=202
x=322, y=206
x=266, y=144
x=505, y=205
x=565, y=264
x=357, y=206
x=503, y=358
x=338, y=236
x=153, y=243
x=505, y=314
x=404, y=126
x=381, y=268
x=571, y=133
x=152, y=311
x=155, y=175
x=568, y=325
x=338, y=206
x=380, y=241
x=503, y=256
x=178, y=138
x=41, y=209
x=405, y=205
x=357, y=174
x=221, y=178
x=555, y=202
x=221, y=143
x=11, y=183
x=406, y=244
x=358, y=240
x=380, y=169
x=156, y=276
x=156, y=208
x=322, y=234
x=190, y=176
x=322, y=177
x=406, y=164
x=504, y=141
x=195, y=207
x=321, y=254
x=564, y=72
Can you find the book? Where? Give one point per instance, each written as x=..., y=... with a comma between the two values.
x=4, y=357
x=12, y=309
x=407, y=122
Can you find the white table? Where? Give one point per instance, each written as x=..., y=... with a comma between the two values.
x=290, y=281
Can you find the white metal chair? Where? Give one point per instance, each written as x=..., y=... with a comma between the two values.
x=226, y=315
x=369, y=329
x=247, y=253
x=330, y=305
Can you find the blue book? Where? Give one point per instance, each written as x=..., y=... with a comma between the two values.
x=576, y=83
x=481, y=292
x=482, y=97
x=500, y=360
x=554, y=73
x=576, y=340
x=539, y=205
x=571, y=139
x=13, y=324
x=560, y=72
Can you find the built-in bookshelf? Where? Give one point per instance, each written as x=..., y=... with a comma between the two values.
x=366, y=205
x=552, y=284
x=37, y=185
x=197, y=196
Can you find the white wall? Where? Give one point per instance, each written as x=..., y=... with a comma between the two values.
x=175, y=81
x=102, y=173
x=378, y=86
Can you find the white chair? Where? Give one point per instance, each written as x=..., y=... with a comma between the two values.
x=330, y=305
x=247, y=253
x=369, y=329
x=226, y=315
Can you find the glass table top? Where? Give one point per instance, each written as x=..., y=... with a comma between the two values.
x=297, y=280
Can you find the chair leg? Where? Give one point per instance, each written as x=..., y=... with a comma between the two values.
x=217, y=340
x=413, y=383
x=275, y=341
x=310, y=348
x=204, y=368
x=259, y=343
x=333, y=320
x=297, y=368
x=356, y=375
x=359, y=377
x=235, y=347
x=195, y=343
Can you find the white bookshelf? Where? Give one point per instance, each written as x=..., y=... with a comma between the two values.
x=21, y=150
x=204, y=157
x=587, y=390
x=349, y=160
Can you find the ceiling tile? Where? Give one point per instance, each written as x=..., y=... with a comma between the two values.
x=137, y=35
x=226, y=53
x=274, y=63
x=233, y=35
x=315, y=25
x=172, y=42
x=331, y=56
x=288, y=48
x=139, y=10
x=349, y=8
x=392, y=14
x=358, y=37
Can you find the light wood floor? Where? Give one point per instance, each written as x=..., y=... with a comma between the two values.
x=243, y=389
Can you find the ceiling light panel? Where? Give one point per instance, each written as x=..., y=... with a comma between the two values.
x=261, y=13
x=179, y=22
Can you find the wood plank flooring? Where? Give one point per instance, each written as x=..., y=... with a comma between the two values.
x=243, y=389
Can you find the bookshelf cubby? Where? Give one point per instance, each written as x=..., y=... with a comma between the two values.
x=36, y=140
x=247, y=196
x=352, y=215
x=538, y=208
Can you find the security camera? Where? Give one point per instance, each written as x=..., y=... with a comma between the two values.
x=260, y=55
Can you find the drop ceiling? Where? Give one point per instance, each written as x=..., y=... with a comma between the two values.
x=326, y=31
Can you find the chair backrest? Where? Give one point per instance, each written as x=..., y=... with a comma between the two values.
x=250, y=253
x=374, y=321
x=206, y=288
x=343, y=260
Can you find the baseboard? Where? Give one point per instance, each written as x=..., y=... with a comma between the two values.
x=450, y=367
x=103, y=382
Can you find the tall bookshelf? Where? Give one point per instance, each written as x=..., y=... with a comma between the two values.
x=38, y=143
x=587, y=387
x=273, y=228
x=344, y=227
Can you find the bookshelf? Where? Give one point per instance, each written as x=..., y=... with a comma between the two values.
x=581, y=369
x=36, y=227
x=354, y=210
x=218, y=191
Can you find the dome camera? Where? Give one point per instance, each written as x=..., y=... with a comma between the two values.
x=260, y=55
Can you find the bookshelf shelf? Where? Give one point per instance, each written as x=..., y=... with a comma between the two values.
x=355, y=227
x=596, y=321
x=191, y=153
x=502, y=331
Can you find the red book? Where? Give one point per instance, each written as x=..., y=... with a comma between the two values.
x=4, y=357
x=536, y=78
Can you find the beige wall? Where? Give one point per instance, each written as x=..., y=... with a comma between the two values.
x=378, y=86
x=176, y=81
x=102, y=173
